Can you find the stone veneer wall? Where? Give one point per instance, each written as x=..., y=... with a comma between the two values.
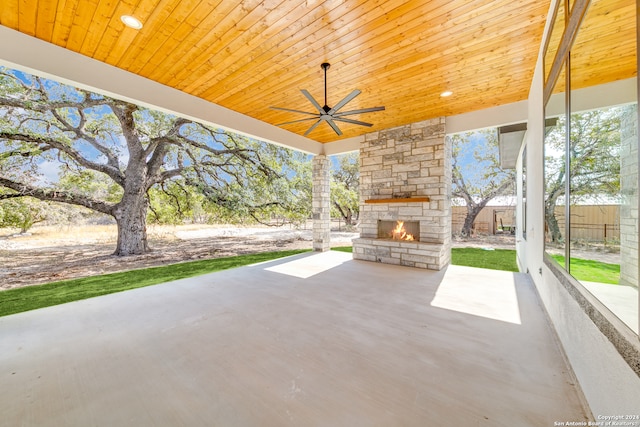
x=629, y=206
x=408, y=161
x=321, y=203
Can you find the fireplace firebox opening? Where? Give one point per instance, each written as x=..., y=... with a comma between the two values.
x=399, y=230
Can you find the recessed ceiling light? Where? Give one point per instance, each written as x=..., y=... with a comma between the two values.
x=446, y=93
x=131, y=22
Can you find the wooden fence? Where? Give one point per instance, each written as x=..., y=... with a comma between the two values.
x=490, y=220
x=599, y=223
x=589, y=223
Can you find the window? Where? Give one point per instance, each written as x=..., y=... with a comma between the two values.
x=591, y=153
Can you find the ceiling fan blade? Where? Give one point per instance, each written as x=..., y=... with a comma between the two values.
x=293, y=111
x=361, y=111
x=334, y=126
x=298, y=121
x=344, y=101
x=313, y=126
x=355, y=122
x=313, y=101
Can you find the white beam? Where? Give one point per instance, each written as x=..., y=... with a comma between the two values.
x=501, y=115
x=595, y=97
x=22, y=52
x=343, y=146
x=601, y=96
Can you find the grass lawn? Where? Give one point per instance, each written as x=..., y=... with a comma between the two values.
x=497, y=259
x=348, y=249
x=38, y=296
x=592, y=271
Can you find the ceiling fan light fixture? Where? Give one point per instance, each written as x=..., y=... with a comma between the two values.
x=131, y=22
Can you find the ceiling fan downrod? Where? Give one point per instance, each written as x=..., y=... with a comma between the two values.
x=325, y=66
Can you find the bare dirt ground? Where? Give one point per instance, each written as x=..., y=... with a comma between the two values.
x=50, y=254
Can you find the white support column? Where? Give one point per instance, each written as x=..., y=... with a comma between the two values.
x=321, y=205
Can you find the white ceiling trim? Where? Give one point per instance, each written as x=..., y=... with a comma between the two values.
x=501, y=115
x=26, y=53
x=343, y=146
x=595, y=97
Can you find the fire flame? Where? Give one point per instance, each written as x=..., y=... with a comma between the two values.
x=399, y=233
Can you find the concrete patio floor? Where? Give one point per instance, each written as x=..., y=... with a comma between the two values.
x=311, y=340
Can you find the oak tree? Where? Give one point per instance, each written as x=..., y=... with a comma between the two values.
x=135, y=150
x=594, y=159
x=477, y=175
x=345, y=180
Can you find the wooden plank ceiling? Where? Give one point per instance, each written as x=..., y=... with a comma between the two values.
x=249, y=55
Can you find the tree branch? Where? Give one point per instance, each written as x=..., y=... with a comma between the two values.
x=21, y=153
x=46, y=104
x=55, y=196
x=115, y=174
x=124, y=114
x=80, y=133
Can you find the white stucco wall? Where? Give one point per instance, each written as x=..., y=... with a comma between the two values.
x=530, y=250
x=609, y=385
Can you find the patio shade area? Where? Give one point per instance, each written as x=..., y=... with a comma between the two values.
x=312, y=340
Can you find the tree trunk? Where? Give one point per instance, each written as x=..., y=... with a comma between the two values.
x=131, y=218
x=472, y=213
x=552, y=223
x=345, y=213
x=348, y=219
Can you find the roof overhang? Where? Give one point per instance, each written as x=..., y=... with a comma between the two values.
x=510, y=140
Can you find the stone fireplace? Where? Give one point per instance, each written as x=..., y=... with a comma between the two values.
x=405, y=182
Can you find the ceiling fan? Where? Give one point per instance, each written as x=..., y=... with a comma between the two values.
x=329, y=114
